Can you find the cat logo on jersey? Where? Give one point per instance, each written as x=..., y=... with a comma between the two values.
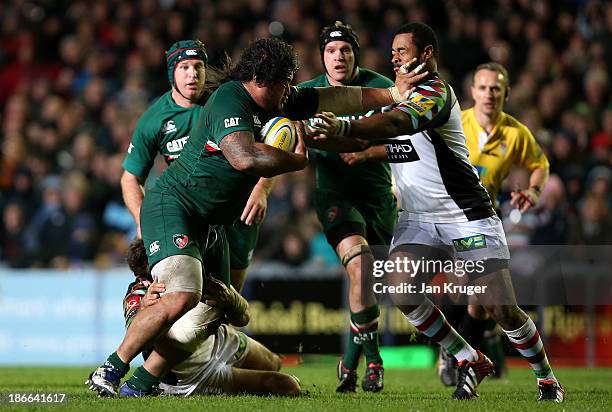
x=420, y=104
x=231, y=122
x=470, y=243
x=180, y=240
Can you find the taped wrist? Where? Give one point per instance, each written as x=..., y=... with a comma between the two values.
x=344, y=128
x=340, y=99
x=395, y=94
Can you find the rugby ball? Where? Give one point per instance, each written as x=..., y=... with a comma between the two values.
x=280, y=133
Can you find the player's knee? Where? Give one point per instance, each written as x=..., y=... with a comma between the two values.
x=506, y=315
x=282, y=384
x=273, y=362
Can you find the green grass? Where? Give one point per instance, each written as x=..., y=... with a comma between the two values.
x=410, y=390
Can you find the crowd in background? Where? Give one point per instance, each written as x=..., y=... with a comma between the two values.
x=76, y=75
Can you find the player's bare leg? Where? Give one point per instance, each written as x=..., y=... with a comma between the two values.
x=182, y=272
x=356, y=257
x=238, y=276
x=521, y=331
x=260, y=358
x=430, y=321
x=259, y=382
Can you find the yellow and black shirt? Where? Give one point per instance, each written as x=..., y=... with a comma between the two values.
x=493, y=155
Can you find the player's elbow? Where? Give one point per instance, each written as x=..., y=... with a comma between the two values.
x=129, y=181
x=245, y=164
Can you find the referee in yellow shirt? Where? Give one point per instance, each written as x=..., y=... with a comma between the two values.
x=497, y=142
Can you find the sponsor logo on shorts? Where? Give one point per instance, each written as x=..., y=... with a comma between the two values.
x=332, y=214
x=154, y=248
x=180, y=240
x=402, y=151
x=470, y=243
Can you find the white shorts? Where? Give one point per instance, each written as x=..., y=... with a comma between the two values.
x=476, y=240
x=208, y=371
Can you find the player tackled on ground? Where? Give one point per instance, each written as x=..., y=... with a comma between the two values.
x=227, y=361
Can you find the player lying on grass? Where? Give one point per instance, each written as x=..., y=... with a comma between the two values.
x=227, y=361
x=210, y=182
x=446, y=215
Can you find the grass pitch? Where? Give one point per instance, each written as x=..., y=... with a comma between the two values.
x=409, y=390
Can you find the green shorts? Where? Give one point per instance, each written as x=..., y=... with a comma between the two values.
x=242, y=240
x=168, y=229
x=341, y=216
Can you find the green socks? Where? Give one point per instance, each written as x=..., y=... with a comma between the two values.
x=363, y=337
x=143, y=380
x=120, y=365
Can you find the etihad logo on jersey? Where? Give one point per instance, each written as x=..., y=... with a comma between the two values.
x=470, y=243
x=177, y=145
x=420, y=104
x=401, y=151
x=231, y=122
x=169, y=127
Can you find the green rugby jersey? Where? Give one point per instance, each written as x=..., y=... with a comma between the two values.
x=202, y=178
x=363, y=180
x=164, y=128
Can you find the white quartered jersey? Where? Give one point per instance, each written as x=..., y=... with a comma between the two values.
x=431, y=167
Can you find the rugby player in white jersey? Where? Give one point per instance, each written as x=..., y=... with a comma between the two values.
x=445, y=213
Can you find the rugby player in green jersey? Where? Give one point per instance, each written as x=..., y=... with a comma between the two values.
x=210, y=183
x=356, y=206
x=164, y=128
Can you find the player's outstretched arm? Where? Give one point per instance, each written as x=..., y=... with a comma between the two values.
x=379, y=126
x=244, y=154
x=371, y=154
x=304, y=103
x=132, y=188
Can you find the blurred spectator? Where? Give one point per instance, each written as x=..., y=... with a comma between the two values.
x=12, y=249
